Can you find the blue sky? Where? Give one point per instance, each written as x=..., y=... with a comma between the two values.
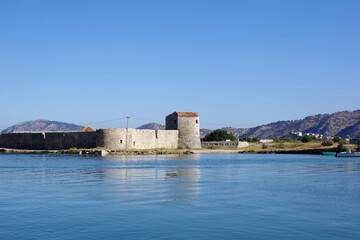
x=236, y=63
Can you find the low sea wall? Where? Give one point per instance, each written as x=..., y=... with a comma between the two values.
x=224, y=144
x=122, y=138
x=48, y=140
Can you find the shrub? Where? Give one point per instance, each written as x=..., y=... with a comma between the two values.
x=264, y=146
x=281, y=145
x=337, y=139
x=327, y=142
x=306, y=138
x=341, y=147
x=219, y=135
x=275, y=139
x=246, y=139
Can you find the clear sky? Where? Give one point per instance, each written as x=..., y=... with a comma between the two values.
x=236, y=63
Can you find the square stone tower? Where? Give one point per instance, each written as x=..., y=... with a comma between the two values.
x=188, y=125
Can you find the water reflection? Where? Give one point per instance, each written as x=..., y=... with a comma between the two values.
x=154, y=179
x=183, y=184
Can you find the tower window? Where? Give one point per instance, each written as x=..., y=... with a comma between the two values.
x=134, y=143
x=121, y=141
x=197, y=121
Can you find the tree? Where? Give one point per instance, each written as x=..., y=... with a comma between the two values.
x=219, y=135
x=246, y=139
x=306, y=138
x=337, y=139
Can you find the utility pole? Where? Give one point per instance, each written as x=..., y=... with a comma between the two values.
x=127, y=132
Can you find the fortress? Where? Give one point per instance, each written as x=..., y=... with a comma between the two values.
x=182, y=130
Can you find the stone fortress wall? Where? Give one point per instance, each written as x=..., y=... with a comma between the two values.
x=182, y=130
x=188, y=125
x=48, y=140
x=123, y=138
x=104, y=138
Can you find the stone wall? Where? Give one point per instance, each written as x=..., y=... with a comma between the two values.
x=188, y=126
x=171, y=122
x=48, y=140
x=189, y=132
x=136, y=138
x=224, y=144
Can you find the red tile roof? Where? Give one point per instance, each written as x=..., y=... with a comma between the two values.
x=87, y=129
x=187, y=114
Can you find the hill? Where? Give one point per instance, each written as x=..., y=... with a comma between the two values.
x=43, y=126
x=336, y=124
x=154, y=126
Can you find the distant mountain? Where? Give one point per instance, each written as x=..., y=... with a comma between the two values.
x=43, y=126
x=153, y=126
x=336, y=124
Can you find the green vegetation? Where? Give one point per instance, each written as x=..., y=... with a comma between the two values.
x=249, y=139
x=219, y=135
x=275, y=139
x=337, y=139
x=306, y=139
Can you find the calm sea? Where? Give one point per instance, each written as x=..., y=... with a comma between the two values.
x=207, y=196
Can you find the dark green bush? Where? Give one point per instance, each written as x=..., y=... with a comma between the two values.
x=306, y=138
x=219, y=135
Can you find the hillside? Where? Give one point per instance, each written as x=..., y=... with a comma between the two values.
x=336, y=124
x=154, y=126
x=42, y=126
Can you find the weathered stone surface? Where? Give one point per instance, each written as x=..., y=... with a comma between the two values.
x=48, y=140
x=136, y=138
x=182, y=130
x=188, y=126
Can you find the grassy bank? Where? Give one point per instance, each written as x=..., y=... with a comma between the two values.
x=290, y=147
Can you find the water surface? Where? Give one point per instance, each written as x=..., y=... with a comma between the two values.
x=207, y=196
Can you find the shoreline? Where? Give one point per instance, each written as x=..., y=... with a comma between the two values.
x=109, y=152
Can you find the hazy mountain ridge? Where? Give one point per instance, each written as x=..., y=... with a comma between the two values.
x=336, y=124
x=154, y=126
x=42, y=126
